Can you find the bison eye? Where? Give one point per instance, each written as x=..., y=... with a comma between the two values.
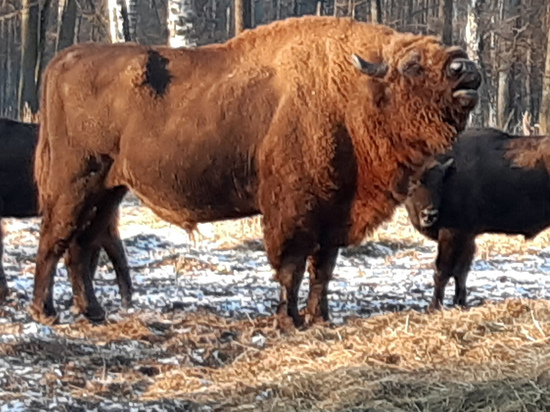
x=456, y=67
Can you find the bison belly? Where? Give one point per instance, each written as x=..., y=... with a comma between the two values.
x=191, y=186
x=508, y=201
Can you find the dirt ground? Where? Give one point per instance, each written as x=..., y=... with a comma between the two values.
x=201, y=335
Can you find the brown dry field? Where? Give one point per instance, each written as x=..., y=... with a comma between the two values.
x=494, y=357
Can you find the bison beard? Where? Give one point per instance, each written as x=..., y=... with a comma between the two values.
x=280, y=120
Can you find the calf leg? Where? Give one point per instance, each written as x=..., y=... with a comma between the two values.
x=455, y=253
x=3, y=282
x=460, y=274
x=110, y=241
x=83, y=254
x=321, y=266
x=114, y=248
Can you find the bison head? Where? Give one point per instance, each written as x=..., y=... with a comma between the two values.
x=417, y=71
x=426, y=191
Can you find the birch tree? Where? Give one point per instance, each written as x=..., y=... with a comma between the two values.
x=183, y=21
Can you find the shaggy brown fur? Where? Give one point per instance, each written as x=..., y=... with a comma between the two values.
x=276, y=121
x=529, y=152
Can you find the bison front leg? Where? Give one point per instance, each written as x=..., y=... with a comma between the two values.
x=79, y=260
x=3, y=282
x=455, y=253
x=322, y=265
x=290, y=276
x=460, y=273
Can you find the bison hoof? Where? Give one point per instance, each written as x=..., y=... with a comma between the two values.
x=95, y=314
x=434, y=307
x=126, y=303
x=39, y=314
x=310, y=320
x=4, y=292
x=286, y=322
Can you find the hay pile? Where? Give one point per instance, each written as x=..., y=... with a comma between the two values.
x=491, y=358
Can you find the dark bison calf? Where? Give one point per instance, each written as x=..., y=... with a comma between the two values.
x=489, y=182
x=18, y=199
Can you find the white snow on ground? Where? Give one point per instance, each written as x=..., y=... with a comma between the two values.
x=170, y=271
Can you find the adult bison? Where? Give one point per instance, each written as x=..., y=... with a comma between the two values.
x=489, y=182
x=280, y=120
x=18, y=199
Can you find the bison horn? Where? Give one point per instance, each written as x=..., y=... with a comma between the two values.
x=447, y=164
x=370, y=69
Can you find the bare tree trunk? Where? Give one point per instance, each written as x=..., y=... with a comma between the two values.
x=67, y=24
x=4, y=47
x=29, y=56
x=132, y=6
x=183, y=22
x=147, y=21
x=474, y=48
x=503, y=67
x=239, y=18
x=119, y=21
x=243, y=15
x=41, y=63
x=544, y=116
x=447, y=17
x=125, y=19
x=373, y=11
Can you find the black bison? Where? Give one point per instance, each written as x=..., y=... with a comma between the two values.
x=314, y=122
x=489, y=182
x=18, y=199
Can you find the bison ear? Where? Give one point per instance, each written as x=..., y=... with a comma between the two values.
x=378, y=70
x=412, y=66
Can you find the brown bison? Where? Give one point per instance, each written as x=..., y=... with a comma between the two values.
x=18, y=199
x=314, y=122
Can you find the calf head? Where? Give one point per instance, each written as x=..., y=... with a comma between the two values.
x=426, y=191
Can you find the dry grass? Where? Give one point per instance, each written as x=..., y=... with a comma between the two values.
x=491, y=358
x=495, y=357
x=397, y=231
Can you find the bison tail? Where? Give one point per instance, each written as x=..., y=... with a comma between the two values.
x=42, y=160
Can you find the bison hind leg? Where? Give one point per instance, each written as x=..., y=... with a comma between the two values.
x=67, y=210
